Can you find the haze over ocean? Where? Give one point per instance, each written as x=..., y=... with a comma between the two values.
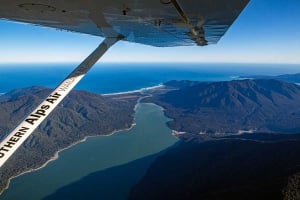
x=116, y=77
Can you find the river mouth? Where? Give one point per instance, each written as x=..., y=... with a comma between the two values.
x=149, y=136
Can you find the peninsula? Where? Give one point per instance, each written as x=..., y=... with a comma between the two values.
x=230, y=107
x=80, y=115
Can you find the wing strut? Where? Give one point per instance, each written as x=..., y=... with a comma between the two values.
x=14, y=139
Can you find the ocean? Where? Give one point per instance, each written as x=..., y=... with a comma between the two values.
x=106, y=167
x=106, y=78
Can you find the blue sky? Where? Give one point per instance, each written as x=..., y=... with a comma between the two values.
x=268, y=31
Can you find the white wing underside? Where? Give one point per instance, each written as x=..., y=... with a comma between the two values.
x=159, y=23
x=152, y=22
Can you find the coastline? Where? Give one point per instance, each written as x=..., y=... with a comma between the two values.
x=135, y=91
x=56, y=155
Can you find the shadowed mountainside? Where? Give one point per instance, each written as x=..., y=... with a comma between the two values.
x=229, y=168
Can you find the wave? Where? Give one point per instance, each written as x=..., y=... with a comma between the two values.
x=138, y=90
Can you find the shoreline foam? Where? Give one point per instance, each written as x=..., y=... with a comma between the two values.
x=135, y=91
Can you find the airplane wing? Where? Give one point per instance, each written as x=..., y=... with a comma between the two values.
x=161, y=23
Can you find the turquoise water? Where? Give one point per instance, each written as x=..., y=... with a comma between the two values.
x=148, y=137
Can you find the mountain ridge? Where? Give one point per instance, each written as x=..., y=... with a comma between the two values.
x=291, y=78
x=231, y=106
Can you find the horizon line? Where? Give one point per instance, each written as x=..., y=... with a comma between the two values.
x=151, y=62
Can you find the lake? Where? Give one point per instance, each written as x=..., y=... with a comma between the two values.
x=149, y=136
